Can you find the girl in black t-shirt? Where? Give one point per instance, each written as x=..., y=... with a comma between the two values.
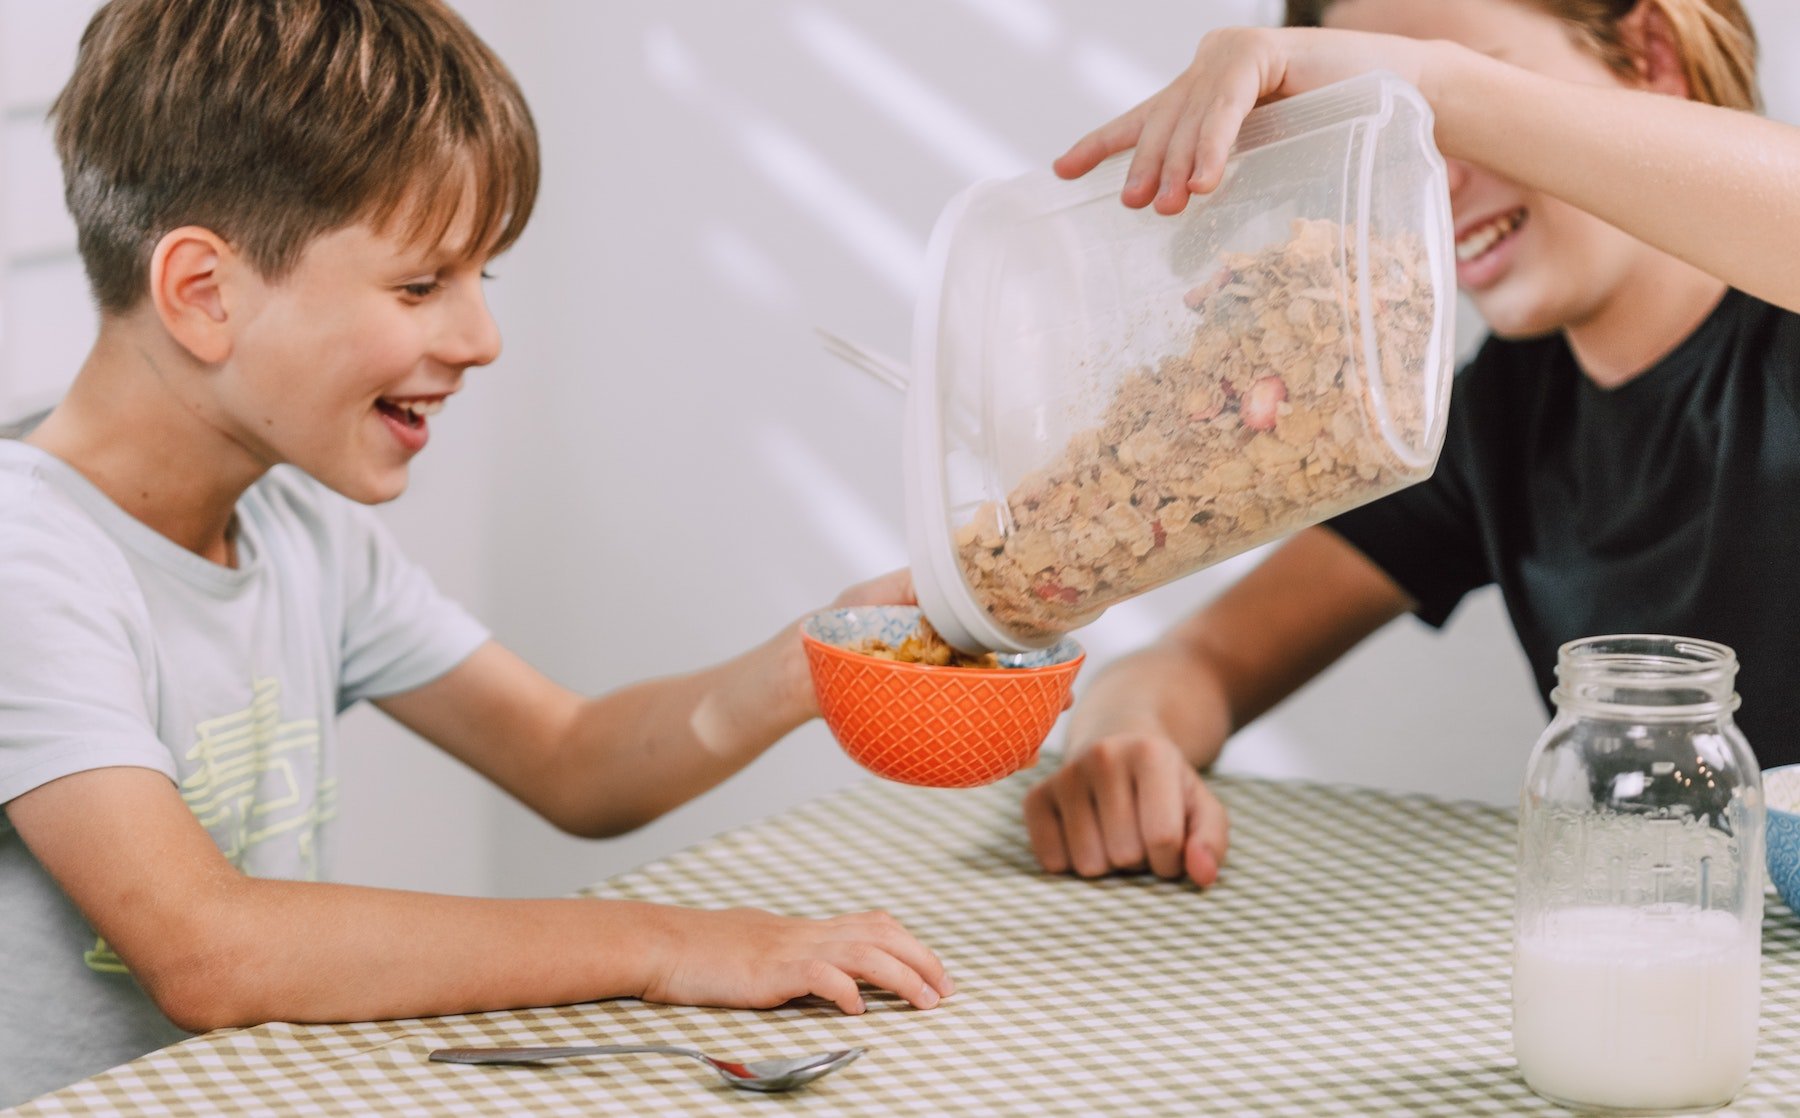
x=1628, y=227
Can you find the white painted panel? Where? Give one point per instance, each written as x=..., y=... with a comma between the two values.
x=47, y=324
x=33, y=220
x=37, y=48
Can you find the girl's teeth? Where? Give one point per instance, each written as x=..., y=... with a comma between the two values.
x=1487, y=236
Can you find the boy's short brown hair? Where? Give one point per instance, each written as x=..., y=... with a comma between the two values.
x=271, y=122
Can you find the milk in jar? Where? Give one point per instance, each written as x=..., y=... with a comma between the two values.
x=1636, y=1010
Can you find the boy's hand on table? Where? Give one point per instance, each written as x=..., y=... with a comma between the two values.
x=1127, y=803
x=745, y=958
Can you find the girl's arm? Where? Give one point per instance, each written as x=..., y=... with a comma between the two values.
x=1709, y=185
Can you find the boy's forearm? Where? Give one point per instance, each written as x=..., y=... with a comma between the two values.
x=668, y=740
x=304, y=951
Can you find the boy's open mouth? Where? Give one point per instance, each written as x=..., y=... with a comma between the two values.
x=1473, y=244
x=411, y=412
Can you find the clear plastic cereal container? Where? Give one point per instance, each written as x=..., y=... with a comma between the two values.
x=1106, y=399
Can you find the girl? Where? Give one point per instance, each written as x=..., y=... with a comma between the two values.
x=1621, y=454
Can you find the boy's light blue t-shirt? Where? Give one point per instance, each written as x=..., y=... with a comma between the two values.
x=120, y=648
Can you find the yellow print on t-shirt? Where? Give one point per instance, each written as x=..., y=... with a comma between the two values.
x=247, y=784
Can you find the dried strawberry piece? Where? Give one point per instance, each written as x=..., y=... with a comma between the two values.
x=1158, y=535
x=1258, y=409
x=1051, y=590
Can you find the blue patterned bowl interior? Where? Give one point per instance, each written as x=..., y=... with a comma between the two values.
x=852, y=625
x=1781, y=791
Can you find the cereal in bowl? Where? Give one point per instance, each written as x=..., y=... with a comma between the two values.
x=925, y=646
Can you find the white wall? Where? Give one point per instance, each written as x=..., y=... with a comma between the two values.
x=664, y=468
x=45, y=323
x=684, y=470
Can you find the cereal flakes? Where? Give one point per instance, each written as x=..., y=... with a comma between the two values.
x=1263, y=426
x=925, y=646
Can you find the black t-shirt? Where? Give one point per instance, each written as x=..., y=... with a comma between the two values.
x=1670, y=504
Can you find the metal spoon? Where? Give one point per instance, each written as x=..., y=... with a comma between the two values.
x=756, y=1075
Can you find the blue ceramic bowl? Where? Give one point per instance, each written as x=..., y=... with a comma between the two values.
x=1781, y=791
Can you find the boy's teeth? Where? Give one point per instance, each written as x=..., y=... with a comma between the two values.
x=418, y=407
x=1480, y=240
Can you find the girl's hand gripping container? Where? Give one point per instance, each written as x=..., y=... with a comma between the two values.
x=1106, y=399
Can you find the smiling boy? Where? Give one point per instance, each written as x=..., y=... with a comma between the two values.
x=284, y=209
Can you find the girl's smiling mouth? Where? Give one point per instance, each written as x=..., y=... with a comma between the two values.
x=1482, y=247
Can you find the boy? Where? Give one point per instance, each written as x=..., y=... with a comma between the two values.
x=284, y=209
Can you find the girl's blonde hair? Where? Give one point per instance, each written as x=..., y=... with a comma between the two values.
x=1713, y=38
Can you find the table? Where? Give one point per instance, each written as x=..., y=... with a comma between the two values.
x=1353, y=961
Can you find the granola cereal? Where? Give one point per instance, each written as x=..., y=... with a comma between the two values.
x=1262, y=426
x=925, y=646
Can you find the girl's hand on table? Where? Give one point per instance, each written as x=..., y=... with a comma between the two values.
x=745, y=958
x=1127, y=803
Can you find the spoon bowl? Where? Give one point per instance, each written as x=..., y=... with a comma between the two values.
x=749, y=1075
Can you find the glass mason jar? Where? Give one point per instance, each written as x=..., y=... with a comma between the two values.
x=1638, y=936
x=1103, y=400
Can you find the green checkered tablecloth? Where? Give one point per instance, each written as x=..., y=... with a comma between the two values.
x=1352, y=961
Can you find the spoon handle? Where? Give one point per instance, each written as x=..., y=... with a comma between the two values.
x=884, y=369
x=533, y=1055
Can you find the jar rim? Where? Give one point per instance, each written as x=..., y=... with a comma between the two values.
x=1648, y=657
x=1622, y=673
x=1564, y=699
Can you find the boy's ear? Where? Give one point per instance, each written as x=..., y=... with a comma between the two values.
x=1651, y=40
x=187, y=287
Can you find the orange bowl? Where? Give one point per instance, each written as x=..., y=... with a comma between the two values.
x=939, y=727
